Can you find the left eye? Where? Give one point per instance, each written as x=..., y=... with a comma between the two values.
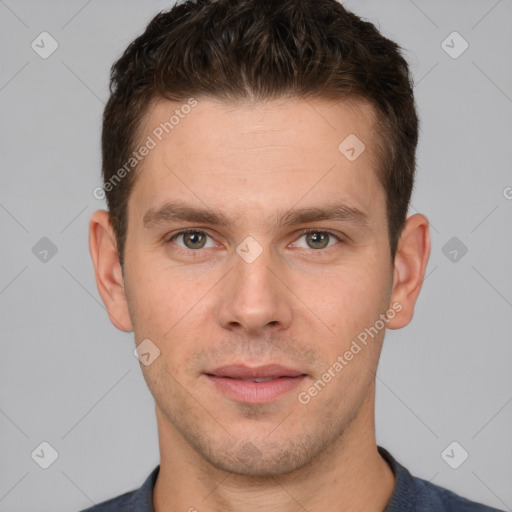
x=318, y=239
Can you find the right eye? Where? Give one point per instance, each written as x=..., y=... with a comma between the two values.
x=192, y=239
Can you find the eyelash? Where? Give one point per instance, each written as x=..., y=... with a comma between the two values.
x=302, y=233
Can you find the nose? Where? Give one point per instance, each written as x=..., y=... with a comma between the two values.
x=254, y=296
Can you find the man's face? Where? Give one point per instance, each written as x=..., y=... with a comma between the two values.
x=215, y=297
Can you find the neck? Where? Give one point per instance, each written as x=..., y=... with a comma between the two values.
x=349, y=473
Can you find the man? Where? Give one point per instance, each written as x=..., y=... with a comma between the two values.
x=258, y=162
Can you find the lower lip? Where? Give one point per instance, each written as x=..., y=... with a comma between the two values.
x=255, y=392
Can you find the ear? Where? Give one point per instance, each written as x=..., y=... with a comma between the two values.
x=409, y=268
x=109, y=278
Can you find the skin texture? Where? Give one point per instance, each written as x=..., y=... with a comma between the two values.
x=300, y=303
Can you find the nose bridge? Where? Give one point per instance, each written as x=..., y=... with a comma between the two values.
x=254, y=297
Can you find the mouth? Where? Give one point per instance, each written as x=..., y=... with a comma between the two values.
x=257, y=385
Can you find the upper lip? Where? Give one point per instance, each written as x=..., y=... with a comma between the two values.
x=238, y=371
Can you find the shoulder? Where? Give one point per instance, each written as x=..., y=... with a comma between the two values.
x=138, y=500
x=413, y=494
x=121, y=503
x=440, y=499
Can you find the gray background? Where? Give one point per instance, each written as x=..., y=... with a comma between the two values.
x=69, y=378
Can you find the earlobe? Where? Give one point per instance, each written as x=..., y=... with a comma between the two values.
x=409, y=268
x=109, y=278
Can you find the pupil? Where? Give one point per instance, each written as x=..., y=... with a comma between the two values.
x=195, y=239
x=318, y=238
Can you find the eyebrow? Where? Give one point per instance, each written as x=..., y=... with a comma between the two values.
x=179, y=212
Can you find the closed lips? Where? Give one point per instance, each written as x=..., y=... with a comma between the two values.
x=255, y=374
x=257, y=379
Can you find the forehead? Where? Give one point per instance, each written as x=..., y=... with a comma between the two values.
x=255, y=157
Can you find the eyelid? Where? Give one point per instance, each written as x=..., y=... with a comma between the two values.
x=305, y=231
x=302, y=232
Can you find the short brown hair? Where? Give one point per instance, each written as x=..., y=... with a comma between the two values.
x=259, y=49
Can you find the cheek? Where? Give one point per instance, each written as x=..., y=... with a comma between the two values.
x=153, y=302
x=166, y=304
x=347, y=300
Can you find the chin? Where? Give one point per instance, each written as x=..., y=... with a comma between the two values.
x=260, y=458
